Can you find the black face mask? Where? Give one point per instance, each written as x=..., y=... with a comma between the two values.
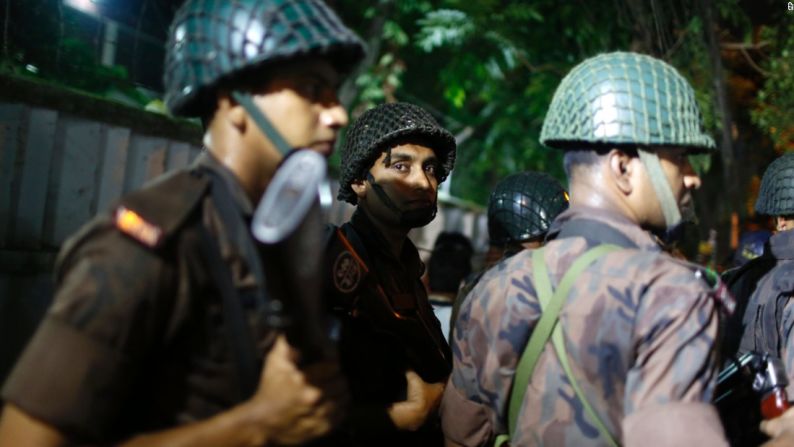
x=413, y=218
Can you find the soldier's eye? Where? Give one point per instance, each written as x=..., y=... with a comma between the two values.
x=311, y=89
x=431, y=169
x=400, y=166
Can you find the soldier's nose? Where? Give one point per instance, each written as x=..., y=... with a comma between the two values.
x=692, y=181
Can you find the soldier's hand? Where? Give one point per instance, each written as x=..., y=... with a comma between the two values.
x=294, y=405
x=780, y=429
x=422, y=400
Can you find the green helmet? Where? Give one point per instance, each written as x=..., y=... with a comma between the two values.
x=214, y=40
x=624, y=99
x=776, y=197
x=522, y=207
x=383, y=125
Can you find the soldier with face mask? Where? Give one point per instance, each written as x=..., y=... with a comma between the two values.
x=598, y=338
x=393, y=351
x=160, y=331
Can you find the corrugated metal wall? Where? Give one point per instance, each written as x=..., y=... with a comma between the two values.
x=58, y=170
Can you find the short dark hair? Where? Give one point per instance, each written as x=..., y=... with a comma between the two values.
x=586, y=158
x=450, y=262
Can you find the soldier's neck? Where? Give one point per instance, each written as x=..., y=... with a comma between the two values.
x=585, y=194
x=253, y=170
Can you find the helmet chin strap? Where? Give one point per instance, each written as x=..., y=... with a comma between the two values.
x=264, y=124
x=670, y=208
x=411, y=218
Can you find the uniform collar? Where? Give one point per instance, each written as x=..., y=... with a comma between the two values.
x=621, y=224
x=376, y=243
x=782, y=244
x=208, y=161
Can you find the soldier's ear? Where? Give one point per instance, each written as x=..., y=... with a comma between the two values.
x=621, y=169
x=231, y=110
x=360, y=188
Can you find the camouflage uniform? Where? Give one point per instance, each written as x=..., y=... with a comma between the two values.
x=639, y=326
x=520, y=209
x=640, y=329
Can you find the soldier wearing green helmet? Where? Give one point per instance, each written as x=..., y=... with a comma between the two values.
x=161, y=330
x=599, y=337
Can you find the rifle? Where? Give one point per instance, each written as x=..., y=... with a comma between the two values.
x=289, y=225
x=749, y=389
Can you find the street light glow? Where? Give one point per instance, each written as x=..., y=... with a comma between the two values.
x=87, y=6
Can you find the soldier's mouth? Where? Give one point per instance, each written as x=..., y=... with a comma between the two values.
x=324, y=148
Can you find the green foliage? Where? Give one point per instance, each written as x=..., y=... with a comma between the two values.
x=59, y=53
x=443, y=27
x=774, y=112
x=496, y=73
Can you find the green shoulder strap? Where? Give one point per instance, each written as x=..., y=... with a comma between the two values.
x=547, y=327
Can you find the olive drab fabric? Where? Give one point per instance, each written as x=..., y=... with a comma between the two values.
x=211, y=40
x=136, y=340
x=522, y=207
x=624, y=98
x=371, y=134
x=776, y=196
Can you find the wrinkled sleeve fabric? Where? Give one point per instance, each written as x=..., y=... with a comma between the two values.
x=465, y=418
x=675, y=365
x=82, y=362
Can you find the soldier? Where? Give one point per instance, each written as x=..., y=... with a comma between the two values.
x=631, y=358
x=138, y=345
x=447, y=268
x=763, y=289
x=393, y=351
x=520, y=211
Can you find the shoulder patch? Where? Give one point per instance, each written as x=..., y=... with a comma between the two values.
x=132, y=224
x=719, y=290
x=346, y=272
x=151, y=214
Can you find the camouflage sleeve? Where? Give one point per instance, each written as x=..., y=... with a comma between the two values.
x=464, y=418
x=675, y=329
x=78, y=369
x=492, y=328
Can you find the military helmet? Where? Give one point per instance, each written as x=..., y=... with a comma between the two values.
x=382, y=126
x=776, y=196
x=213, y=40
x=624, y=98
x=522, y=207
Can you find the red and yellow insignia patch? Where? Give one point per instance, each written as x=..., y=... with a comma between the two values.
x=132, y=224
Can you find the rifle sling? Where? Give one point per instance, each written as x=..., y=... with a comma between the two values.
x=237, y=330
x=547, y=327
